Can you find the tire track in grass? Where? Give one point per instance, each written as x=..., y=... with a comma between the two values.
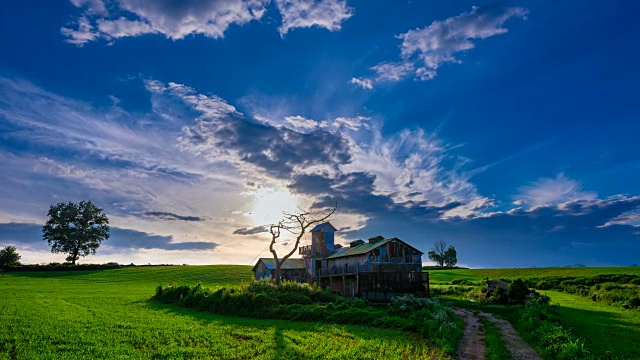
x=519, y=349
x=472, y=343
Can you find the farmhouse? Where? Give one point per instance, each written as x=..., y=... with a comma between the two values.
x=377, y=269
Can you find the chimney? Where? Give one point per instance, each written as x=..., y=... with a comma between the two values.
x=356, y=243
x=375, y=239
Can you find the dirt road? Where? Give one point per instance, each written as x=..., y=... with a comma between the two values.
x=472, y=345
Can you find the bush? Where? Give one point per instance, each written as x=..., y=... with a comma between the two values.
x=411, y=303
x=518, y=292
x=541, y=324
x=537, y=298
x=65, y=267
x=500, y=296
x=291, y=298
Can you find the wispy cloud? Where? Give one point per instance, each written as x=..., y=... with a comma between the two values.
x=352, y=123
x=424, y=50
x=415, y=166
x=363, y=83
x=128, y=164
x=251, y=231
x=328, y=14
x=553, y=191
x=164, y=215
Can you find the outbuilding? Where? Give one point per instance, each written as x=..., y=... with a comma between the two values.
x=292, y=269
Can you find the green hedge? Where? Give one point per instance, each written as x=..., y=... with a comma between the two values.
x=612, y=289
x=63, y=267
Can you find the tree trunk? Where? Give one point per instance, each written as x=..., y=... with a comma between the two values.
x=277, y=272
x=75, y=256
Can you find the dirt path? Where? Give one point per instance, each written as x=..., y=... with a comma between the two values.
x=472, y=343
x=520, y=350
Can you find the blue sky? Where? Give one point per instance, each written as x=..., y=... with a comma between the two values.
x=507, y=129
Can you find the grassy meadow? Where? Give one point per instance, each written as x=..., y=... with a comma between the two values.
x=478, y=275
x=609, y=332
x=108, y=314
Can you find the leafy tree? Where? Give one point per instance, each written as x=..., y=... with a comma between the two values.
x=438, y=251
x=296, y=224
x=75, y=229
x=450, y=257
x=9, y=257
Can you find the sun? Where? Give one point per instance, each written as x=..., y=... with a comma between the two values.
x=269, y=204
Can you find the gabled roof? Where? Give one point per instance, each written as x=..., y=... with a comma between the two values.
x=366, y=247
x=289, y=264
x=321, y=226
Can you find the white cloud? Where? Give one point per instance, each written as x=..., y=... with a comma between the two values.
x=328, y=14
x=410, y=166
x=631, y=218
x=179, y=19
x=175, y=20
x=301, y=123
x=392, y=71
x=114, y=19
x=352, y=123
x=84, y=33
x=363, y=83
x=424, y=50
x=553, y=191
x=91, y=6
x=211, y=106
x=123, y=27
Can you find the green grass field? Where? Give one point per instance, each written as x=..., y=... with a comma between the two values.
x=607, y=330
x=446, y=276
x=107, y=314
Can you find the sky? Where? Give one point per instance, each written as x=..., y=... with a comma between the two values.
x=506, y=129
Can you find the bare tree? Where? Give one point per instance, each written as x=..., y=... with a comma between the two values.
x=438, y=252
x=296, y=224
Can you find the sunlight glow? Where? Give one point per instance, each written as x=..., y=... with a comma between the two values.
x=270, y=204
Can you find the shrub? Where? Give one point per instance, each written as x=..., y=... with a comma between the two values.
x=518, y=292
x=537, y=298
x=292, y=298
x=541, y=324
x=500, y=296
x=411, y=303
